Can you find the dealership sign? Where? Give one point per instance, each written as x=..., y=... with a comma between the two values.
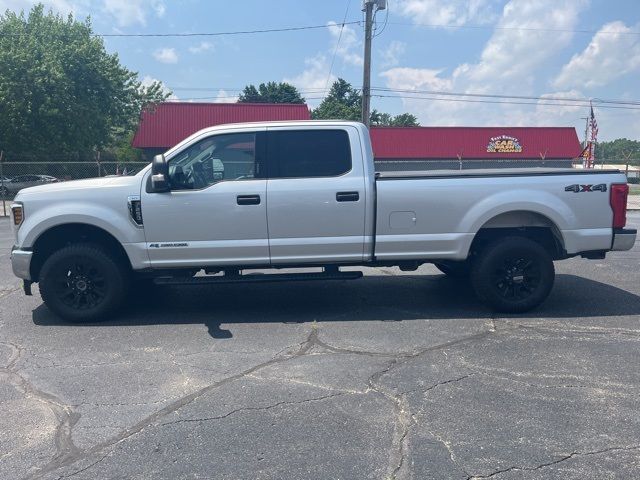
x=504, y=144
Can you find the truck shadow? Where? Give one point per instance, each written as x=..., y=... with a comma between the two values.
x=372, y=298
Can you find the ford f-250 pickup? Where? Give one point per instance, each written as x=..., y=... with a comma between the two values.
x=234, y=198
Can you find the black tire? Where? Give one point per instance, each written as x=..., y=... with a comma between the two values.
x=83, y=283
x=455, y=269
x=513, y=275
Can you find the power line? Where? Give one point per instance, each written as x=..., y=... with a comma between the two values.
x=234, y=89
x=205, y=34
x=386, y=20
x=525, y=29
x=310, y=90
x=598, y=101
x=506, y=102
x=335, y=51
x=230, y=97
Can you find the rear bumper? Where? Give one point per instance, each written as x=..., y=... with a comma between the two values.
x=623, y=239
x=21, y=263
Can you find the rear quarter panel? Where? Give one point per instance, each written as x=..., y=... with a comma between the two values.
x=426, y=218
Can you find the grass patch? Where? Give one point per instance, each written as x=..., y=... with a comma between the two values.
x=634, y=189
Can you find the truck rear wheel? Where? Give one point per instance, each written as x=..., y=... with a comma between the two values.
x=513, y=274
x=83, y=283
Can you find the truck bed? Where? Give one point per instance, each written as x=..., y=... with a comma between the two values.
x=440, y=212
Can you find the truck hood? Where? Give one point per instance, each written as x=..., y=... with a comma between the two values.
x=92, y=184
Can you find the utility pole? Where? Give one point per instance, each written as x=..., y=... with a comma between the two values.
x=366, y=80
x=368, y=7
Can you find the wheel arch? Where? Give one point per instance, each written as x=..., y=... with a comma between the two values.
x=61, y=235
x=524, y=223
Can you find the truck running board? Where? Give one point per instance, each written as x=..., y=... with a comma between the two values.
x=257, y=278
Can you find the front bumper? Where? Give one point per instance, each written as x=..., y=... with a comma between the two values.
x=21, y=263
x=623, y=239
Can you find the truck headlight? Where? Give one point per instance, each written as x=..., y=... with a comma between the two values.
x=17, y=213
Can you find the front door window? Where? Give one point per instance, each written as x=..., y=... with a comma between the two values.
x=214, y=159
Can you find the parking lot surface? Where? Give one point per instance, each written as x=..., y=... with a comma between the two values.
x=397, y=375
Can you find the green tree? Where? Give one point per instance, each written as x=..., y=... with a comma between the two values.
x=405, y=120
x=342, y=102
x=60, y=91
x=617, y=151
x=271, y=92
x=387, y=120
x=345, y=103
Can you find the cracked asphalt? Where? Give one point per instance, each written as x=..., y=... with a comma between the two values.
x=394, y=376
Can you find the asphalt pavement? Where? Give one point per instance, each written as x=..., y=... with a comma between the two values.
x=394, y=376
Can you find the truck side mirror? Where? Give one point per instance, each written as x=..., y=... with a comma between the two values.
x=159, y=174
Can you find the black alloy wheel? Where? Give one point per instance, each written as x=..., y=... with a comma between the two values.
x=517, y=278
x=83, y=283
x=513, y=274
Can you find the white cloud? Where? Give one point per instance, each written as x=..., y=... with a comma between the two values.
x=77, y=7
x=522, y=43
x=224, y=97
x=447, y=12
x=124, y=12
x=404, y=78
x=511, y=60
x=314, y=77
x=131, y=12
x=201, y=47
x=166, y=55
x=607, y=57
x=391, y=55
x=147, y=80
x=160, y=9
x=349, y=47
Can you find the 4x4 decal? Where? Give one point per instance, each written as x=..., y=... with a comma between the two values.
x=601, y=187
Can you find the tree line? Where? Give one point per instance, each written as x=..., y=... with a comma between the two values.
x=618, y=151
x=342, y=102
x=61, y=92
x=62, y=95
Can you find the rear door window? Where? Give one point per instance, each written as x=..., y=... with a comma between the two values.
x=308, y=153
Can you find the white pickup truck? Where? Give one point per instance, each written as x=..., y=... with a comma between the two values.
x=234, y=198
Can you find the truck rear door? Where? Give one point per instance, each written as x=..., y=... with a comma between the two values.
x=315, y=195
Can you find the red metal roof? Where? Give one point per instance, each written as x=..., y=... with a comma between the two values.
x=473, y=142
x=171, y=122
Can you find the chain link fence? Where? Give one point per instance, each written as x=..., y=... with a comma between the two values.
x=464, y=164
x=14, y=176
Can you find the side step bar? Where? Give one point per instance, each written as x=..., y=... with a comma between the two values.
x=257, y=278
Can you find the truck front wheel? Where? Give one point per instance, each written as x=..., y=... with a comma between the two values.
x=513, y=274
x=83, y=283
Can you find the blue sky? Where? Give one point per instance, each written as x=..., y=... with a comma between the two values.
x=561, y=48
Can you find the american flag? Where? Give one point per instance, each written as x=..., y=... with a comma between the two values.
x=594, y=126
x=590, y=150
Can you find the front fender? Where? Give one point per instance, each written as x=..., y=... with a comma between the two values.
x=115, y=221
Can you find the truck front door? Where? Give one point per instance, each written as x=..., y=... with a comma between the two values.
x=315, y=195
x=215, y=212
